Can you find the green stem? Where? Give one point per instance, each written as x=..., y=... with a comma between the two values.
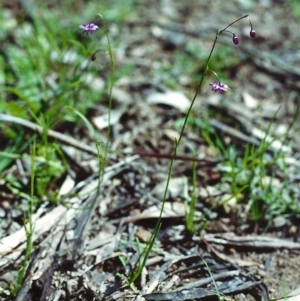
x=246, y=16
x=111, y=84
x=177, y=142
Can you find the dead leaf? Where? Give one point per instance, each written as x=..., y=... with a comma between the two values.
x=250, y=101
x=67, y=186
x=143, y=235
x=175, y=188
x=101, y=122
x=171, y=98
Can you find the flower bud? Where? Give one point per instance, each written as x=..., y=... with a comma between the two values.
x=93, y=57
x=235, y=40
x=252, y=33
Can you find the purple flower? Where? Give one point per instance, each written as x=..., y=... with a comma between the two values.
x=89, y=28
x=235, y=39
x=252, y=33
x=219, y=87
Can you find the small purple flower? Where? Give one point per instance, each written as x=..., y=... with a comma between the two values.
x=235, y=39
x=219, y=87
x=89, y=28
x=252, y=33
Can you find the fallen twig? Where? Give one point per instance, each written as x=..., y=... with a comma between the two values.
x=251, y=241
x=52, y=134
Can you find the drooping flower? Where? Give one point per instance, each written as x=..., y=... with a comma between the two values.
x=235, y=39
x=219, y=87
x=89, y=28
x=252, y=33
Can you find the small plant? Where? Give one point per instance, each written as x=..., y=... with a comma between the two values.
x=28, y=226
x=191, y=207
x=103, y=151
x=217, y=87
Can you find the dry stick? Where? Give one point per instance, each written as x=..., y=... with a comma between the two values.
x=73, y=142
x=233, y=132
x=84, y=147
x=52, y=134
x=251, y=241
x=205, y=162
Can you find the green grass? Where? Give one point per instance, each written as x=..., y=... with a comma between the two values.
x=295, y=6
x=50, y=73
x=47, y=65
x=252, y=172
x=28, y=223
x=47, y=70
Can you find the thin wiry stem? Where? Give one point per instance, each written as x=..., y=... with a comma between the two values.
x=177, y=142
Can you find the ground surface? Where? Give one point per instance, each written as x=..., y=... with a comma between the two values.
x=90, y=252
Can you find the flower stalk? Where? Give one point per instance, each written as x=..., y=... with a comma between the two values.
x=217, y=87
